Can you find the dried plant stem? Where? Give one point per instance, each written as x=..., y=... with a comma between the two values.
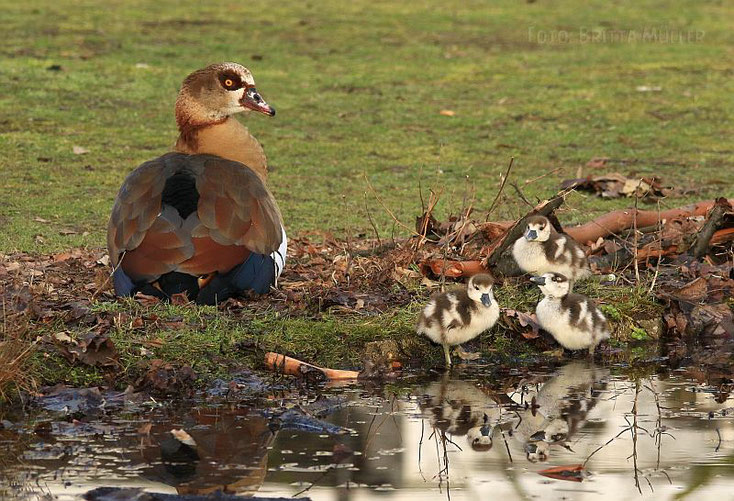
x=392, y=214
x=501, y=189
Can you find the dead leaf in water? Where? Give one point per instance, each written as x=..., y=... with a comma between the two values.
x=572, y=473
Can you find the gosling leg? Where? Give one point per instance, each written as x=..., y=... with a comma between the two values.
x=447, y=354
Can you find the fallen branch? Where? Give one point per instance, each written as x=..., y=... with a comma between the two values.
x=620, y=220
x=293, y=367
x=703, y=239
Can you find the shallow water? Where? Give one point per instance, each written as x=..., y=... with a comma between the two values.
x=653, y=437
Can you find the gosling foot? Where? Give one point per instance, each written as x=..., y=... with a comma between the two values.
x=466, y=355
x=557, y=353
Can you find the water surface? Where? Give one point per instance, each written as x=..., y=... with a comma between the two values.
x=471, y=434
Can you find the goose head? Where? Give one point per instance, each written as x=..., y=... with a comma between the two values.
x=538, y=229
x=216, y=92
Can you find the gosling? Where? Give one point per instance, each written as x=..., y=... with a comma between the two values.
x=455, y=317
x=573, y=320
x=542, y=249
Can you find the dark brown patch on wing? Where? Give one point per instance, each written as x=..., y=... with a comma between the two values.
x=573, y=302
x=465, y=307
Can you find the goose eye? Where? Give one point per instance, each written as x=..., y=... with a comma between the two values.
x=228, y=83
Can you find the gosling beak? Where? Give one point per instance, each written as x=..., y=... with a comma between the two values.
x=485, y=300
x=531, y=235
x=538, y=280
x=538, y=436
x=484, y=430
x=253, y=100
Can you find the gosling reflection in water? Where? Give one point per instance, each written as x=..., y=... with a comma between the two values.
x=460, y=408
x=555, y=409
x=541, y=415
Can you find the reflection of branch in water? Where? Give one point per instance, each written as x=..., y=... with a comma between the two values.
x=634, y=429
x=420, y=448
x=328, y=470
x=445, y=470
x=660, y=430
x=502, y=431
x=634, y=439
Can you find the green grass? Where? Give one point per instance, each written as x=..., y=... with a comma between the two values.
x=358, y=87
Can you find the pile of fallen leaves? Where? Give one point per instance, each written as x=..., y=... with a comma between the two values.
x=359, y=277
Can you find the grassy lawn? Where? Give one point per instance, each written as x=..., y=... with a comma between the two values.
x=359, y=88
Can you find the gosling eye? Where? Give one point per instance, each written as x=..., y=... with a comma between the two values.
x=476, y=287
x=541, y=228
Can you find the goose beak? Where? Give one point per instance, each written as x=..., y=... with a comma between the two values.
x=253, y=100
x=485, y=300
x=531, y=235
x=538, y=280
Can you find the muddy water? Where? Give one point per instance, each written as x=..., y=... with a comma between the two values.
x=578, y=432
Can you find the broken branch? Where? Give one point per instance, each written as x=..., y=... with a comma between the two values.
x=294, y=367
x=703, y=239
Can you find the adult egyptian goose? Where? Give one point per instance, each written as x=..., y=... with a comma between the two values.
x=201, y=220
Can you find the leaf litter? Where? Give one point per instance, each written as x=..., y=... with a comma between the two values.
x=367, y=277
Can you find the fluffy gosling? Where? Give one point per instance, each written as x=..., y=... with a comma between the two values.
x=573, y=319
x=454, y=317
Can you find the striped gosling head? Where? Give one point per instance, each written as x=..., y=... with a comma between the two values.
x=479, y=288
x=538, y=229
x=553, y=284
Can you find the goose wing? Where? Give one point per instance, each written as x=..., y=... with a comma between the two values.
x=152, y=231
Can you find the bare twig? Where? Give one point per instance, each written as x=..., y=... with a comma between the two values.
x=635, y=249
x=501, y=189
x=530, y=181
x=392, y=215
x=521, y=194
x=372, y=223
x=657, y=264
